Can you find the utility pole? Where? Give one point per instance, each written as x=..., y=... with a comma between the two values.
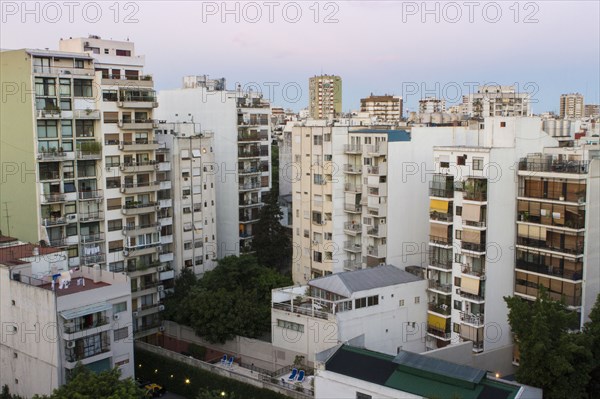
x=7, y=217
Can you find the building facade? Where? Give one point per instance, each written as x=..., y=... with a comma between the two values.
x=571, y=106
x=495, y=100
x=384, y=109
x=325, y=96
x=430, y=105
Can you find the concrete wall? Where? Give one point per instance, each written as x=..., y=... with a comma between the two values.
x=330, y=385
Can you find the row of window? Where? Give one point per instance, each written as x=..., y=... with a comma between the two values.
x=46, y=87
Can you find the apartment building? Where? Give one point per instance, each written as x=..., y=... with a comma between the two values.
x=429, y=105
x=193, y=192
x=571, y=106
x=383, y=308
x=558, y=227
x=496, y=100
x=592, y=110
x=134, y=198
x=473, y=201
x=384, y=109
x=240, y=122
x=325, y=96
x=49, y=325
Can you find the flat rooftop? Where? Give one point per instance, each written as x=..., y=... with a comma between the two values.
x=11, y=255
x=74, y=288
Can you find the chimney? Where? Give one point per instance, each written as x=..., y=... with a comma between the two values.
x=97, y=274
x=35, y=251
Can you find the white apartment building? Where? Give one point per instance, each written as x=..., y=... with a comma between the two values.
x=386, y=108
x=429, y=105
x=193, y=193
x=134, y=198
x=473, y=201
x=47, y=328
x=571, y=106
x=558, y=227
x=240, y=123
x=382, y=308
x=494, y=100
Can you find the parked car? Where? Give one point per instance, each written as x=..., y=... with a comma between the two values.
x=151, y=389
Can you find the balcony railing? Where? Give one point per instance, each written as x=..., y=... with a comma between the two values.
x=53, y=221
x=354, y=227
x=442, y=217
x=301, y=310
x=574, y=275
x=352, y=264
x=442, y=264
x=467, y=269
x=91, y=238
x=576, y=167
x=352, y=208
x=470, y=318
x=353, y=188
x=575, y=222
x=436, y=285
x=54, y=197
x=441, y=192
x=472, y=297
x=440, y=240
x=475, y=195
x=50, y=175
x=473, y=223
x=91, y=216
x=92, y=194
x=249, y=186
x=143, y=266
x=91, y=259
x=440, y=308
x=353, y=148
x=352, y=246
x=59, y=70
x=71, y=327
x=438, y=332
x=471, y=246
x=349, y=168
x=576, y=249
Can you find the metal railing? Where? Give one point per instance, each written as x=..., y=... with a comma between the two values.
x=436, y=285
x=577, y=167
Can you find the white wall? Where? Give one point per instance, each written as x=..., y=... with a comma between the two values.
x=330, y=385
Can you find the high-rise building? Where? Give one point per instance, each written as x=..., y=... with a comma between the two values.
x=558, y=227
x=192, y=180
x=53, y=318
x=571, y=106
x=385, y=109
x=592, y=110
x=325, y=96
x=240, y=123
x=473, y=201
x=494, y=100
x=430, y=105
x=89, y=160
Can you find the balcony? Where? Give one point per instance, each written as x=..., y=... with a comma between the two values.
x=441, y=217
x=90, y=238
x=90, y=195
x=138, y=102
x=49, y=113
x=91, y=217
x=439, y=333
x=352, y=208
x=574, y=221
x=469, y=270
x=480, y=298
x=249, y=217
x=164, y=166
x=444, y=241
x=80, y=325
x=555, y=166
x=380, y=170
x=250, y=203
x=352, y=169
x=138, y=167
x=165, y=220
x=140, y=250
x=140, y=267
x=469, y=318
x=66, y=71
x=556, y=271
x=351, y=246
x=352, y=149
x=54, y=155
x=140, y=187
x=572, y=248
x=249, y=153
x=93, y=114
x=249, y=186
x=136, y=230
x=442, y=309
x=472, y=223
x=146, y=286
x=79, y=353
x=441, y=192
x=127, y=80
x=54, y=221
x=475, y=195
x=53, y=198
x=248, y=137
x=435, y=285
x=352, y=228
x=353, y=188
x=139, y=145
x=377, y=251
x=136, y=208
x=249, y=171
x=479, y=248
x=92, y=259
x=352, y=264
x=377, y=231
x=137, y=124
x=166, y=257
x=440, y=263
x=376, y=149
x=49, y=175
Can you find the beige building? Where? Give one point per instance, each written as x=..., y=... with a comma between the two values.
x=49, y=326
x=571, y=106
x=496, y=100
x=592, y=110
x=386, y=108
x=325, y=96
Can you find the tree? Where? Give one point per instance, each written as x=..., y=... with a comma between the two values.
x=233, y=299
x=86, y=384
x=175, y=303
x=5, y=394
x=271, y=241
x=214, y=394
x=592, y=330
x=552, y=358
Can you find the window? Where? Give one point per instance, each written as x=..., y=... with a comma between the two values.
x=109, y=95
x=458, y=234
x=117, y=267
x=187, y=209
x=111, y=139
x=112, y=161
x=187, y=245
x=47, y=129
x=477, y=163
x=318, y=179
x=82, y=88
x=115, y=246
x=65, y=104
x=317, y=218
x=121, y=333
x=317, y=256
x=318, y=140
x=417, y=299
x=373, y=300
x=115, y=225
x=65, y=88
x=458, y=305
x=119, y=307
x=327, y=236
x=289, y=325
x=110, y=117
x=502, y=124
x=460, y=160
x=113, y=203
x=457, y=258
x=360, y=395
x=113, y=182
x=401, y=302
x=84, y=128
x=66, y=128
x=459, y=211
x=45, y=87
x=123, y=53
x=456, y=328
x=79, y=64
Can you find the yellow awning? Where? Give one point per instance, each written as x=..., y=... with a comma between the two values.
x=436, y=321
x=469, y=285
x=438, y=206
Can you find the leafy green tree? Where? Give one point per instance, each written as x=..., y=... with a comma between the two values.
x=86, y=384
x=592, y=330
x=5, y=394
x=215, y=394
x=271, y=241
x=233, y=299
x=552, y=358
x=176, y=308
x=275, y=168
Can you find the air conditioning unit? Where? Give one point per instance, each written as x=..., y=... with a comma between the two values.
x=135, y=314
x=122, y=189
x=125, y=252
x=161, y=328
x=108, y=168
x=161, y=268
x=161, y=288
x=159, y=248
x=116, y=316
x=70, y=344
x=99, y=200
x=120, y=122
x=72, y=217
x=161, y=308
x=157, y=206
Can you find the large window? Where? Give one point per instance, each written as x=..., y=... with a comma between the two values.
x=110, y=95
x=45, y=87
x=65, y=88
x=289, y=325
x=47, y=129
x=66, y=128
x=82, y=88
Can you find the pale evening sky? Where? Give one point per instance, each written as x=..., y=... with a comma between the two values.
x=405, y=48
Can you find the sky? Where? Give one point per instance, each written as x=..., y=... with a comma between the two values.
x=409, y=48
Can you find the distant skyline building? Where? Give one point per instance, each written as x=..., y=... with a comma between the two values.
x=431, y=105
x=571, y=106
x=385, y=108
x=592, y=110
x=325, y=96
x=496, y=100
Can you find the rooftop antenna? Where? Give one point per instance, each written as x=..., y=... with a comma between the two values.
x=7, y=217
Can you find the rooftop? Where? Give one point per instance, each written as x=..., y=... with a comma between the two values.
x=81, y=280
x=11, y=255
x=393, y=134
x=347, y=283
x=418, y=374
